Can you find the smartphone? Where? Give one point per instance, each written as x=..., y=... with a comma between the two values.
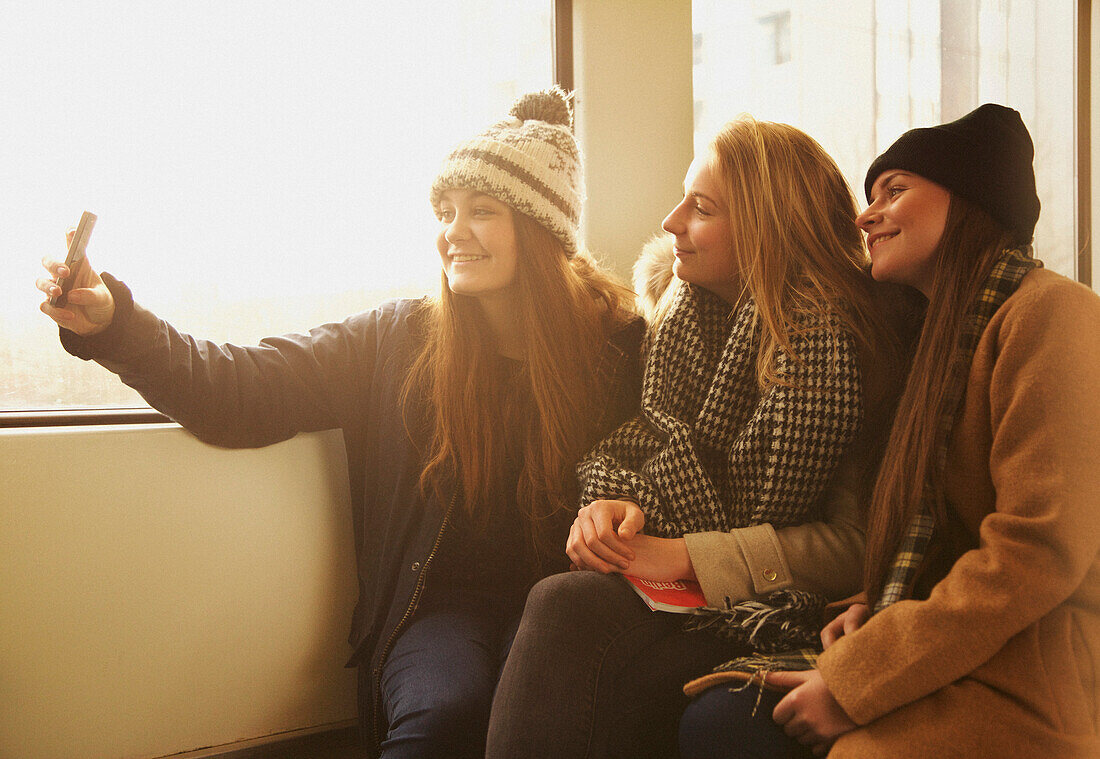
x=75, y=258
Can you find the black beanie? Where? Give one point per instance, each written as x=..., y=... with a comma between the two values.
x=984, y=157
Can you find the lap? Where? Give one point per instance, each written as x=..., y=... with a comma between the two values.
x=610, y=672
x=438, y=680
x=724, y=723
x=613, y=628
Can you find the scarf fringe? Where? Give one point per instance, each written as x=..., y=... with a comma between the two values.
x=786, y=619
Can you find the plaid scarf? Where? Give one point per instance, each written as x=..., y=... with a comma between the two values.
x=709, y=450
x=1003, y=280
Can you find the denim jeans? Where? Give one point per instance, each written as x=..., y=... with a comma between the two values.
x=438, y=681
x=722, y=723
x=594, y=673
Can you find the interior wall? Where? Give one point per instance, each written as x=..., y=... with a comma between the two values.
x=632, y=71
x=159, y=595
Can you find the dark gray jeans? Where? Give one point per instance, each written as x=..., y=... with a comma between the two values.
x=594, y=673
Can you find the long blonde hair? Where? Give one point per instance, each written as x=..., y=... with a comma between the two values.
x=568, y=307
x=796, y=246
x=968, y=248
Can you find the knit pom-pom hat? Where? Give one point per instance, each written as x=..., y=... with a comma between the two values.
x=985, y=157
x=529, y=160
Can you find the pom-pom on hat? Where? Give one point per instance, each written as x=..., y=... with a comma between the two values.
x=529, y=160
x=985, y=157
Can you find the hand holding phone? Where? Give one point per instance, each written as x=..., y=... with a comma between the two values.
x=95, y=310
x=75, y=258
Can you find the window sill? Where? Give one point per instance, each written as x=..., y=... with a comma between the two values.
x=80, y=417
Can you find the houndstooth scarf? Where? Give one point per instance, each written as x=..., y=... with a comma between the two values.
x=709, y=450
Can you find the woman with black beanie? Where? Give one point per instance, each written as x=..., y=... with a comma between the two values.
x=463, y=417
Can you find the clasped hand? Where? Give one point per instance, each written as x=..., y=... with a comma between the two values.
x=809, y=713
x=607, y=537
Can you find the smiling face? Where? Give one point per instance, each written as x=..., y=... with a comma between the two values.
x=477, y=244
x=904, y=224
x=704, y=240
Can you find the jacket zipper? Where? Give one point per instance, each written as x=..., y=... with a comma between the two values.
x=413, y=602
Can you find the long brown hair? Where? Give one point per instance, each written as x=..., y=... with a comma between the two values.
x=964, y=257
x=567, y=309
x=796, y=246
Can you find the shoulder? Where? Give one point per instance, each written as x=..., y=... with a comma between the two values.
x=620, y=360
x=393, y=317
x=620, y=363
x=390, y=329
x=1043, y=340
x=400, y=310
x=1049, y=306
x=822, y=331
x=1044, y=285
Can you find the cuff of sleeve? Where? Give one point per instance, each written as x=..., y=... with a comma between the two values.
x=93, y=346
x=719, y=567
x=767, y=565
x=734, y=566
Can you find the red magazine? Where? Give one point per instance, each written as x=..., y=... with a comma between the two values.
x=680, y=596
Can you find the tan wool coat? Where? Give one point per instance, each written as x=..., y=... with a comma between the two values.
x=1002, y=658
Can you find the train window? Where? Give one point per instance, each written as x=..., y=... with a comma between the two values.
x=857, y=75
x=257, y=167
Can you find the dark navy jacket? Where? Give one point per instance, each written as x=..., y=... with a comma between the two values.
x=347, y=376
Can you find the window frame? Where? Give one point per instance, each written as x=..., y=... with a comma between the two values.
x=80, y=417
x=1083, y=141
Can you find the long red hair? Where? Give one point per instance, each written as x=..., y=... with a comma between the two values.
x=568, y=307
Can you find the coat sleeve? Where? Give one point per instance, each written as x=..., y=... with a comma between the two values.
x=1036, y=545
x=231, y=395
x=824, y=557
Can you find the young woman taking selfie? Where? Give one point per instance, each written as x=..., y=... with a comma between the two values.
x=463, y=417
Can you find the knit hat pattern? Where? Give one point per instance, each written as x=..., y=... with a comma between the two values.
x=985, y=157
x=529, y=160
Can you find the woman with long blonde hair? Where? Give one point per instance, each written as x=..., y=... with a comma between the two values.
x=463, y=418
x=767, y=365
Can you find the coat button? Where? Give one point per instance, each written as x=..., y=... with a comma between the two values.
x=769, y=575
x=415, y=566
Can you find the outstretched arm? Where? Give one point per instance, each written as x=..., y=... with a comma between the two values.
x=225, y=394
